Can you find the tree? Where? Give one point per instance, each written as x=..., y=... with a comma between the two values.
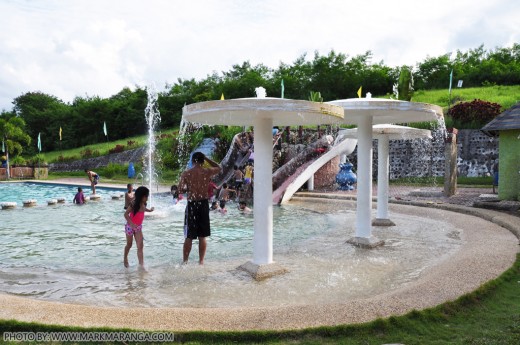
x=13, y=134
x=405, y=84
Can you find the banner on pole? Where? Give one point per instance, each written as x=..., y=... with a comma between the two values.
x=283, y=89
x=39, y=143
x=359, y=91
x=105, y=128
x=60, y=133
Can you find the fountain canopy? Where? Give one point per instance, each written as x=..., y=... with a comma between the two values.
x=245, y=111
x=387, y=110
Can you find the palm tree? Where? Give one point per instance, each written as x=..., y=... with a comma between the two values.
x=13, y=134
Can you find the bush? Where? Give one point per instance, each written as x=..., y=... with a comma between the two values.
x=63, y=159
x=478, y=111
x=18, y=160
x=117, y=149
x=38, y=159
x=86, y=153
x=112, y=170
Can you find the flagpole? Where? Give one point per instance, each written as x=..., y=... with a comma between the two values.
x=449, y=91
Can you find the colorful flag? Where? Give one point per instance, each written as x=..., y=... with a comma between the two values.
x=60, y=133
x=39, y=143
x=105, y=128
x=283, y=88
x=359, y=92
x=451, y=78
x=222, y=96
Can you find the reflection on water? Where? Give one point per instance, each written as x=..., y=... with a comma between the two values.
x=74, y=254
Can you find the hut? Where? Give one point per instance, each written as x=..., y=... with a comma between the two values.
x=507, y=127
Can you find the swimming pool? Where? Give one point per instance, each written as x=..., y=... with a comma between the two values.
x=73, y=254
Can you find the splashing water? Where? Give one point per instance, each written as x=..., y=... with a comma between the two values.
x=153, y=117
x=260, y=92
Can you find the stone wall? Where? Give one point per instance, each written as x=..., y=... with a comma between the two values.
x=477, y=155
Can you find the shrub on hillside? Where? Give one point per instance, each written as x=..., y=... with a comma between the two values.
x=477, y=111
x=86, y=153
x=63, y=159
x=112, y=170
x=117, y=149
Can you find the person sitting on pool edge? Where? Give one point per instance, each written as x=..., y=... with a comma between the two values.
x=94, y=179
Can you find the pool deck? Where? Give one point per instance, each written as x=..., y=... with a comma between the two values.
x=477, y=261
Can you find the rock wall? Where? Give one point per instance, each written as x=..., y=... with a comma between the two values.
x=125, y=157
x=477, y=154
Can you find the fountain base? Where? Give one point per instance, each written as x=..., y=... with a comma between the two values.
x=261, y=272
x=364, y=242
x=382, y=222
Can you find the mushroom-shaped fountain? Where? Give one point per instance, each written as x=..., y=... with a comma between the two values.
x=365, y=112
x=384, y=133
x=262, y=113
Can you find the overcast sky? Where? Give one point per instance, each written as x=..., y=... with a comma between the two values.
x=70, y=48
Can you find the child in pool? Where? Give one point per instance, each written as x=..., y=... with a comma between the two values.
x=79, y=198
x=242, y=206
x=222, y=209
x=134, y=216
x=129, y=195
x=174, y=190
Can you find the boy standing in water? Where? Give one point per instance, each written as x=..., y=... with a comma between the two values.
x=196, y=220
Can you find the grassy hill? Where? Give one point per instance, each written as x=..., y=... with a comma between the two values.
x=506, y=96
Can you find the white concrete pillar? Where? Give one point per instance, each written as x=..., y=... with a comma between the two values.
x=364, y=178
x=310, y=183
x=263, y=192
x=382, y=177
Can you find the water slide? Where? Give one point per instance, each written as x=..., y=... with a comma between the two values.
x=236, y=155
x=305, y=171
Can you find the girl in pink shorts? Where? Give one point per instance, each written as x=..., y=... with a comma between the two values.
x=134, y=216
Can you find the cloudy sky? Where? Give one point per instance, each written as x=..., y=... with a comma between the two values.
x=71, y=48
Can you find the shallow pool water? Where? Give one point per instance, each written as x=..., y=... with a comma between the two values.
x=74, y=254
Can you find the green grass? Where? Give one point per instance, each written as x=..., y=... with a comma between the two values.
x=489, y=315
x=102, y=148
x=506, y=96
x=462, y=181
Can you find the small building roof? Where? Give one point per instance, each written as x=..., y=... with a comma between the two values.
x=509, y=119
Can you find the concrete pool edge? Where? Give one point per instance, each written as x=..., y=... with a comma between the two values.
x=428, y=292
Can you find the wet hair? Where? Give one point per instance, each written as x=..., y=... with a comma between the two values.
x=214, y=205
x=140, y=193
x=129, y=185
x=174, y=190
x=198, y=157
x=80, y=189
x=222, y=204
